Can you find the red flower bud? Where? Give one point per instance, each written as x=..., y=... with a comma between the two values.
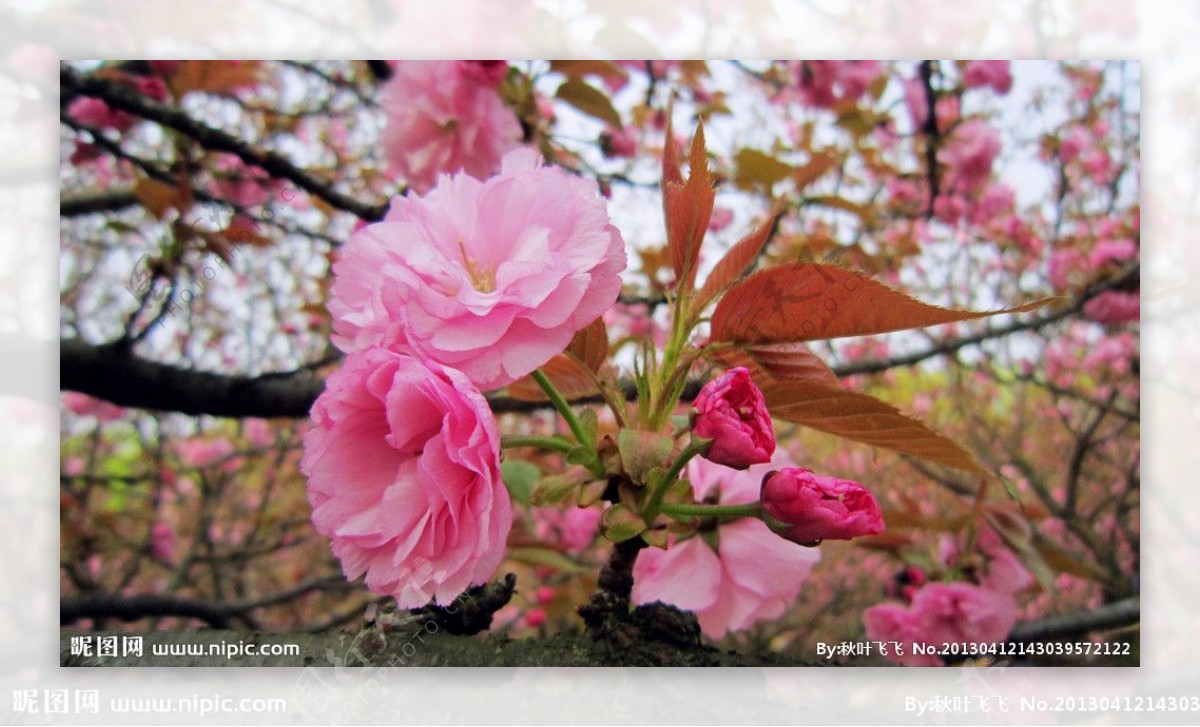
x=813, y=507
x=731, y=411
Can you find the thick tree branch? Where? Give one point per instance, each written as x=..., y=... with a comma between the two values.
x=87, y=204
x=126, y=99
x=114, y=373
x=135, y=608
x=1118, y=614
x=217, y=615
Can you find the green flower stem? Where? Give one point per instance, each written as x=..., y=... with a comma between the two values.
x=655, y=503
x=557, y=444
x=750, y=509
x=563, y=407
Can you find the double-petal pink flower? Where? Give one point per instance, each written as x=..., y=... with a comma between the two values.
x=445, y=117
x=491, y=278
x=404, y=478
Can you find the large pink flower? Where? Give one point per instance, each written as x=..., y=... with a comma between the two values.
x=751, y=575
x=492, y=278
x=403, y=471
x=732, y=412
x=444, y=117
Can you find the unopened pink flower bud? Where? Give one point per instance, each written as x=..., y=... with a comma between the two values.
x=731, y=411
x=814, y=507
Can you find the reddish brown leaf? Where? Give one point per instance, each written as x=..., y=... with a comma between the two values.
x=735, y=262
x=579, y=69
x=216, y=77
x=778, y=362
x=843, y=204
x=688, y=207
x=159, y=197
x=566, y=375
x=808, y=302
x=590, y=345
x=863, y=418
x=242, y=231
x=811, y=171
x=887, y=541
x=589, y=100
x=754, y=169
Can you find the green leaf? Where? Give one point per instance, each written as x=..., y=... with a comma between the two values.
x=620, y=524
x=657, y=538
x=559, y=489
x=519, y=477
x=591, y=425
x=643, y=451
x=591, y=492
x=590, y=101
x=680, y=493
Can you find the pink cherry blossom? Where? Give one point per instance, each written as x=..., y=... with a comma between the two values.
x=941, y=613
x=751, y=575
x=94, y=112
x=622, y=142
x=892, y=622
x=487, y=73
x=1114, y=307
x=824, y=84
x=732, y=412
x=445, y=117
x=492, y=278
x=1077, y=140
x=963, y=612
x=258, y=432
x=403, y=474
x=720, y=219
x=242, y=184
x=163, y=541
x=816, y=507
x=1065, y=267
x=572, y=528
x=203, y=451
x=996, y=74
x=84, y=405
x=995, y=202
x=1107, y=251
x=969, y=154
x=947, y=108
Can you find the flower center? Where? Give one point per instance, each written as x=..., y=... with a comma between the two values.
x=483, y=279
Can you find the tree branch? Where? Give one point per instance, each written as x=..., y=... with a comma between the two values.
x=114, y=373
x=126, y=99
x=1118, y=614
x=135, y=608
x=87, y=204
